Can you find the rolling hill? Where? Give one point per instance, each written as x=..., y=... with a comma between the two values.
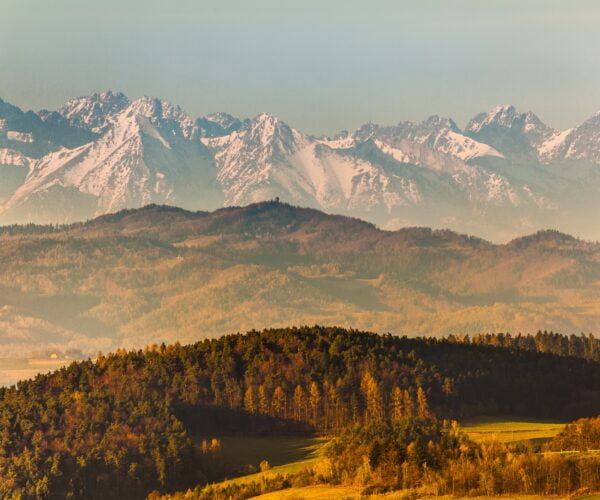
x=165, y=274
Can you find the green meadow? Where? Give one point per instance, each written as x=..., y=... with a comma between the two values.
x=511, y=429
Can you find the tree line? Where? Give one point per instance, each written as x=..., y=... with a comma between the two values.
x=123, y=424
x=577, y=346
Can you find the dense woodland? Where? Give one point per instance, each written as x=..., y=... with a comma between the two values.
x=578, y=346
x=126, y=423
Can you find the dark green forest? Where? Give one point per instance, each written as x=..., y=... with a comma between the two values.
x=126, y=423
x=578, y=346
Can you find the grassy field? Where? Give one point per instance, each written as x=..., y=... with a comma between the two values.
x=314, y=493
x=351, y=493
x=286, y=455
x=508, y=430
x=292, y=454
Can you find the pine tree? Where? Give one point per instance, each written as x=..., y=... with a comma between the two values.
x=279, y=402
x=408, y=404
x=397, y=407
x=299, y=403
x=373, y=398
x=263, y=400
x=422, y=405
x=315, y=403
x=250, y=401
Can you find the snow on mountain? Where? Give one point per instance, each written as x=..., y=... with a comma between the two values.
x=247, y=157
x=169, y=118
x=12, y=157
x=509, y=131
x=101, y=153
x=443, y=135
x=34, y=136
x=217, y=124
x=579, y=143
x=146, y=155
x=396, y=153
x=552, y=147
x=26, y=137
x=92, y=112
x=438, y=133
x=267, y=158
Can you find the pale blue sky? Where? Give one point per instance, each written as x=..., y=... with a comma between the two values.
x=320, y=65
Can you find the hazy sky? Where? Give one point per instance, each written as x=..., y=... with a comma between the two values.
x=320, y=65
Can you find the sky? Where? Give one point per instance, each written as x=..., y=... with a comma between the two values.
x=322, y=66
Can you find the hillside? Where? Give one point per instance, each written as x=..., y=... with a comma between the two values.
x=125, y=424
x=165, y=274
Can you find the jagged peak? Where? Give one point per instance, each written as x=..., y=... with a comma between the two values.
x=93, y=111
x=366, y=131
x=267, y=127
x=506, y=116
x=221, y=118
x=153, y=106
x=159, y=111
x=110, y=94
x=440, y=122
x=218, y=124
x=266, y=119
x=105, y=98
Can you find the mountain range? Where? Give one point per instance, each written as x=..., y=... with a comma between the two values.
x=161, y=273
x=504, y=175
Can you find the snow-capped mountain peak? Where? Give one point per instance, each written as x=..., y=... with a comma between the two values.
x=217, y=124
x=501, y=115
x=92, y=112
x=578, y=143
x=164, y=115
x=103, y=152
x=511, y=132
x=436, y=122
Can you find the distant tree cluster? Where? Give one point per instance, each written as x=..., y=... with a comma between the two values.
x=122, y=425
x=435, y=458
x=582, y=346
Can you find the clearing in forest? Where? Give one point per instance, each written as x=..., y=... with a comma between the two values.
x=511, y=429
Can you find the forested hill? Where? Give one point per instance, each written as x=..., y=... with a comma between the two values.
x=123, y=425
x=165, y=274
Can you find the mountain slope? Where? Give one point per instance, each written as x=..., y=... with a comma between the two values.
x=161, y=273
x=504, y=175
x=147, y=154
x=93, y=112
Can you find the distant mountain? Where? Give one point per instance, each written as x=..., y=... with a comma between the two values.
x=146, y=154
x=506, y=174
x=162, y=273
x=517, y=135
x=93, y=112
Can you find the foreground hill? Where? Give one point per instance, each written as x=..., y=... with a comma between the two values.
x=165, y=274
x=123, y=425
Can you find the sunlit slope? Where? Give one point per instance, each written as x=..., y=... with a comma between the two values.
x=508, y=430
x=162, y=273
